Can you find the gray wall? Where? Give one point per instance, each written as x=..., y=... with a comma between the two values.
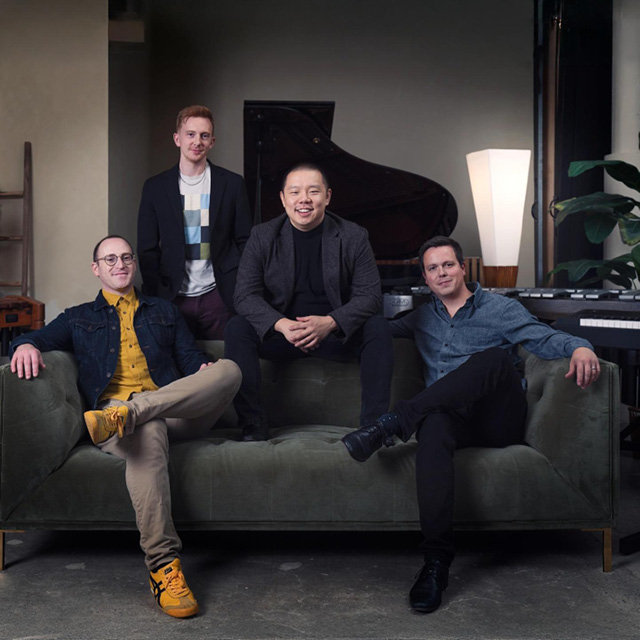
x=129, y=132
x=53, y=93
x=417, y=83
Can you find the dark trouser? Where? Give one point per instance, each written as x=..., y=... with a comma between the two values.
x=371, y=343
x=481, y=403
x=205, y=315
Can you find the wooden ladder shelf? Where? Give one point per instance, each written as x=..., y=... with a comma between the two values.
x=26, y=195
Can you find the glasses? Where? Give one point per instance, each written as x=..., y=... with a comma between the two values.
x=112, y=259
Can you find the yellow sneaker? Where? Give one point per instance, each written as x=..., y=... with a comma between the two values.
x=171, y=591
x=103, y=424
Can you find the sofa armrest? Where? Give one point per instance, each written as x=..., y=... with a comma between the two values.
x=576, y=429
x=40, y=422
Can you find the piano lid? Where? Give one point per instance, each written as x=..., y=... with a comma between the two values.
x=400, y=210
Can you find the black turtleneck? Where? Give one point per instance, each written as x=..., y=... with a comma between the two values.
x=309, y=297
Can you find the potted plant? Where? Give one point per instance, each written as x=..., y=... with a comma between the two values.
x=602, y=213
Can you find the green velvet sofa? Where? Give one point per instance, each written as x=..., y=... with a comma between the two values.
x=566, y=476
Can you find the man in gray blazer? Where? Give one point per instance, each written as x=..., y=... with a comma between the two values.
x=308, y=285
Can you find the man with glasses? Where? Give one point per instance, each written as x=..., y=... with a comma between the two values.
x=146, y=384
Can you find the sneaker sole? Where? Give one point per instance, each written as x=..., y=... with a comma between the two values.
x=181, y=613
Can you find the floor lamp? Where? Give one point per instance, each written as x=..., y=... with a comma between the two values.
x=499, y=185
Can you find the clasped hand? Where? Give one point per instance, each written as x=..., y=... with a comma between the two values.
x=307, y=332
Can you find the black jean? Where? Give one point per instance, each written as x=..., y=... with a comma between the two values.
x=481, y=403
x=372, y=344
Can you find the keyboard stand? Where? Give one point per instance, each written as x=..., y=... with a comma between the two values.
x=631, y=543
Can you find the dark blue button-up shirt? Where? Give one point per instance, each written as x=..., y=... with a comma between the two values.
x=486, y=320
x=91, y=331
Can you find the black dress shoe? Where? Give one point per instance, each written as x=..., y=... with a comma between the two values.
x=363, y=442
x=257, y=432
x=426, y=594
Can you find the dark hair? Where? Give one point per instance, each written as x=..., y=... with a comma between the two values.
x=305, y=166
x=441, y=241
x=97, y=247
x=194, y=111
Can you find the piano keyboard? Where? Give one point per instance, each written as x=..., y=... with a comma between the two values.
x=614, y=329
x=610, y=323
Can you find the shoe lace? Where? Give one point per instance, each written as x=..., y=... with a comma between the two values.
x=434, y=569
x=115, y=422
x=176, y=584
x=387, y=439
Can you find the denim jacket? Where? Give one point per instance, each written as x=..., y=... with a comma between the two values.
x=91, y=331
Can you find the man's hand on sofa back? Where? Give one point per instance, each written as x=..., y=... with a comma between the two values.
x=27, y=361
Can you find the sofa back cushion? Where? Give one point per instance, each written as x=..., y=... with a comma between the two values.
x=316, y=391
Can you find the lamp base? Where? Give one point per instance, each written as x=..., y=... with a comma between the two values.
x=500, y=276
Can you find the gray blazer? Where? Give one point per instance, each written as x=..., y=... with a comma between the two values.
x=266, y=274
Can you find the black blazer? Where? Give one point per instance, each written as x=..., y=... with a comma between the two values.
x=267, y=270
x=161, y=248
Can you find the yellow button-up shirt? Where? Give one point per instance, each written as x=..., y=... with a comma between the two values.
x=132, y=373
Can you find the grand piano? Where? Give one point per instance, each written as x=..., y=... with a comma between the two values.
x=399, y=209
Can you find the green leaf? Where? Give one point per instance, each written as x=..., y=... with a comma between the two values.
x=617, y=169
x=599, y=202
x=635, y=256
x=629, y=229
x=598, y=226
x=617, y=270
x=588, y=282
x=621, y=281
x=576, y=269
x=625, y=269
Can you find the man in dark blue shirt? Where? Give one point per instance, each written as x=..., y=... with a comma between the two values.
x=474, y=394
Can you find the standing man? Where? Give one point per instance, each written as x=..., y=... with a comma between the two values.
x=147, y=383
x=193, y=223
x=308, y=284
x=474, y=395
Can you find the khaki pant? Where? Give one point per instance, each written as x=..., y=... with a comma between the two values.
x=184, y=409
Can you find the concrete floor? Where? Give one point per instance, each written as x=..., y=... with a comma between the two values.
x=69, y=585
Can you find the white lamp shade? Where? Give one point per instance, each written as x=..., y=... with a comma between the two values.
x=499, y=186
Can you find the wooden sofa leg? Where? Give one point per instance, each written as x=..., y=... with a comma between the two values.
x=2, y=544
x=607, y=548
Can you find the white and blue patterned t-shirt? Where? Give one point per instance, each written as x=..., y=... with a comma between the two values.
x=195, y=192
